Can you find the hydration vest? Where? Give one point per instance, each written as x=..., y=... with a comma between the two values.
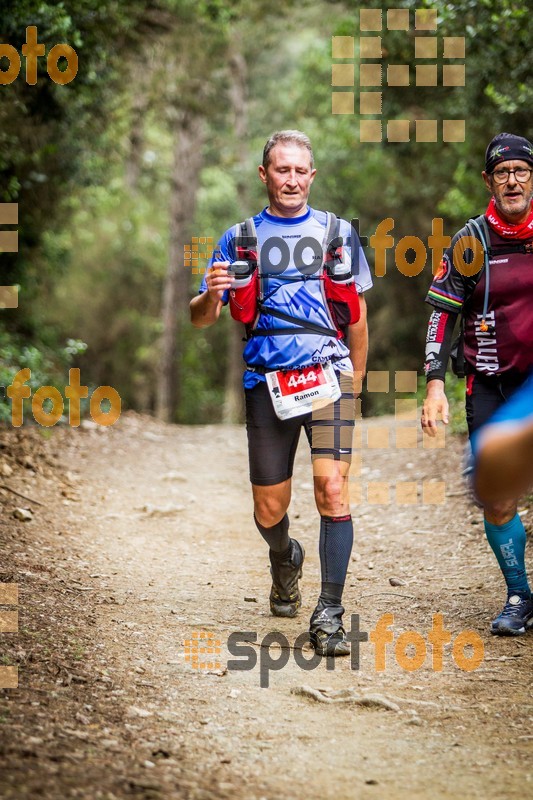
x=477, y=227
x=248, y=300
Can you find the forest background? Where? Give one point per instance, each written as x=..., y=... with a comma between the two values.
x=157, y=140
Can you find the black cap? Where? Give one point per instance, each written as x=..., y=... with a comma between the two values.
x=508, y=147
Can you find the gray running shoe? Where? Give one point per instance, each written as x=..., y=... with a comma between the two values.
x=326, y=632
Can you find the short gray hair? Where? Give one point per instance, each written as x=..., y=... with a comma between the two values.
x=287, y=137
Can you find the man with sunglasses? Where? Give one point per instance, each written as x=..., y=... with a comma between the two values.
x=497, y=309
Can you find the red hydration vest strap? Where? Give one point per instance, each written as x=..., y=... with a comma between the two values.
x=247, y=301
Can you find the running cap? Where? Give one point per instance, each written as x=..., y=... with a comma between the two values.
x=508, y=147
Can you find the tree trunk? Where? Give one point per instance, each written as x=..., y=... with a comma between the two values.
x=136, y=140
x=188, y=157
x=234, y=399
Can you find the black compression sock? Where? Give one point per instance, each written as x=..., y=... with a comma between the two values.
x=277, y=537
x=331, y=593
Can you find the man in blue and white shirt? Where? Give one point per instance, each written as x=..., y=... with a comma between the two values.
x=321, y=352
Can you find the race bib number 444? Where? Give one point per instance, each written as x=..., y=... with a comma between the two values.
x=299, y=391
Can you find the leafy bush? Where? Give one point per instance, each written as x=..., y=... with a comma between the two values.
x=47, y=367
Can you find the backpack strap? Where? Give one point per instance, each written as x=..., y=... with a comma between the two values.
x=475, y=227
x=482, y=233
x=299, y=326
x=246, y=236
x=333, y=226
x=305, y=326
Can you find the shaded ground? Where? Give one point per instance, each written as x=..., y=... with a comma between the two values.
x=145, y=537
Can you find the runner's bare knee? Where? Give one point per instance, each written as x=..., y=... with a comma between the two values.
x=331, y=494
x=271, y=502
x=500, y=513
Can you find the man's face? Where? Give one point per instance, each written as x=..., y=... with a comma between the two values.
x=513, y=199
x=288, y=179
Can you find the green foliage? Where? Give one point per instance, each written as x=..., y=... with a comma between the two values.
x=47, y=367
x=94, y=242
x=110, y=291
x=455, y=392
x=204, y=373
x=47, y=131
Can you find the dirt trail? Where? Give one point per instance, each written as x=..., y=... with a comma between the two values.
x=145, y=537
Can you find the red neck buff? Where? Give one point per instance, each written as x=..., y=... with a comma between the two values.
x=523, y=230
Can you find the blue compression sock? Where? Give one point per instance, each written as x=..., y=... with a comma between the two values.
x=335, y=546
x=508, y=543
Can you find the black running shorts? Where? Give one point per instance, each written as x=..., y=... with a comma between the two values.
x=272, y=442
x=485, y=394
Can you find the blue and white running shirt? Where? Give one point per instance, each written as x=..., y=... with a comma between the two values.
x=280, y=254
